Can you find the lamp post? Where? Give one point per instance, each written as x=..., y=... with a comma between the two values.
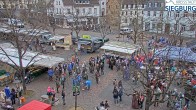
x=76, y=91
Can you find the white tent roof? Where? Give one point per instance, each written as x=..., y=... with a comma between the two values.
x=39, y=60
x=56, y=38
x=120, y=47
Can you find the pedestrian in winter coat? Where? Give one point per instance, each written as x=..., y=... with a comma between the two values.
x=7, y=92
x=120, y=93
x=63, y=97
x=50, y=73
x=13, y=96
x=106, y=105
x=57, y=85
x=115, y=95
x=63, y=80
x=70, y=69
x=102, y=68
x=97, y=77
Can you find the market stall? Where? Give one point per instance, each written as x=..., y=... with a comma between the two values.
x=36, y=105
x=176, y=53
x=62, y=41
x=35, y=62
x=119, y=48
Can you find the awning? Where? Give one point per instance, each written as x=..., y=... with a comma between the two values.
x=36, y=105
x=120, y=47
x=56, y=38
x=176, y=53
x=39, y=60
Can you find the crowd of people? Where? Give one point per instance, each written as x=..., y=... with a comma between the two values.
x=10, y=97
x=157, y=76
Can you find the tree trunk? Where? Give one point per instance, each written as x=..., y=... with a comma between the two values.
x=135, y=39
x=22, y=70
x=23, y=82
x=148, y=100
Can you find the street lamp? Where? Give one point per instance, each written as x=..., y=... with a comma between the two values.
x=76, y=91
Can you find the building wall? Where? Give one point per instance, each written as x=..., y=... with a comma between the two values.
x=113, y=12
x=102, y=7
x=83, y=11
x=130, y=12
x=169, y=22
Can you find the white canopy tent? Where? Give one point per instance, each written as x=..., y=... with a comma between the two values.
x=39, y=60
x=120, y=47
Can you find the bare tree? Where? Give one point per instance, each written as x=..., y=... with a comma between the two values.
x=103, y=27
x=21, y=42
x=163, y=73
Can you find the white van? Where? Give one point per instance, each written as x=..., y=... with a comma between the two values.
x=125, y=30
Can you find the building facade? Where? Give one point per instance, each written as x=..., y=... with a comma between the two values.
x=113, y=13
x=132, y=9
x=86, y=12
x=157, y=20
x=20, y=6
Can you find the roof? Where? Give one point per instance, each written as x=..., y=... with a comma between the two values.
x=39, y=60
x=120, y=47
x=35, y=105
x=176, y=53
x=191, y=43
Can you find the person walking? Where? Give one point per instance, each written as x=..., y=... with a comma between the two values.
x=120, y=93
x=50, y=73
x=7, y=92
x=63, y=96
x=13, y=96
x=135, y=104
x=63, y=78
x=141, y=100
x=98, y=67
x=106, y=105
x=53, y=96
x=115, y=95
x=97, y=77
x=102, y=68
x=115, y=83
x=57, y=85
x=70, y=68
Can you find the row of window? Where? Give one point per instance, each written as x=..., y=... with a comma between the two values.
x=143, y=5
x=177, y=14
x=132, y=6
x=156, y=4
x=126, y=13
x=76, y=1
x=175, y=27
x=60, y=11
x=12, y=6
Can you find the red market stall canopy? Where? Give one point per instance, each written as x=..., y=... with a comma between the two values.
x=36, y=105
